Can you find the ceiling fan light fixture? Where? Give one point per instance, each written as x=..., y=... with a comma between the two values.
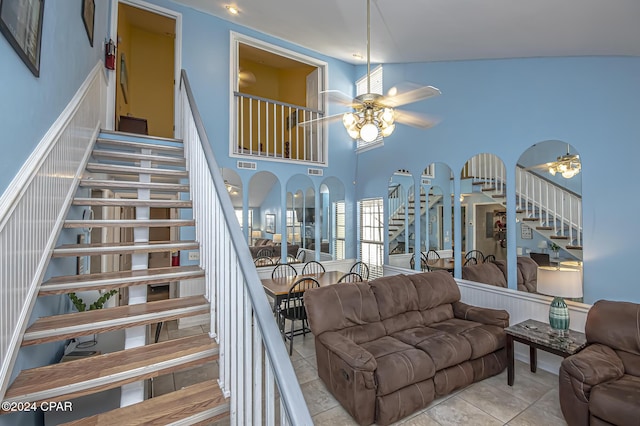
x=369, y=132
x=387, y=130
x=387, y=116
x=567, y=165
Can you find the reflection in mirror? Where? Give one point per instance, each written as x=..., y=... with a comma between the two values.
x=437, y=214
x=400, y=212
x=301, y=214
x=483, y=209
x=233, y=183
x=266, y=207
x=332, y=219
x=549, y=206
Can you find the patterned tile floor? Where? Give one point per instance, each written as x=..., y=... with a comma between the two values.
x=533, y=399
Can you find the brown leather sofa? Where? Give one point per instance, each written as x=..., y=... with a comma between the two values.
x=262, y=243
x=600, y=385
x=495, y=273
x=387, y=348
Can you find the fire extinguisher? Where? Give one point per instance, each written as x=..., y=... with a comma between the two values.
x=110, y=55
x=175, y=258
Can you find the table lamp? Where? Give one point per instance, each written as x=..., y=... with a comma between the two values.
x=559, y=283
x=542, y=245
x=277, y=238
x=255, y=235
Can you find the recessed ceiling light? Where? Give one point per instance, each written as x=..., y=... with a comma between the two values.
x=232, y=9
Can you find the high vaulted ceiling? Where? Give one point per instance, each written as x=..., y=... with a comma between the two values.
x=443, y=30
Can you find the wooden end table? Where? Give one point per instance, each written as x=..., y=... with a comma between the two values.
x=539, y=335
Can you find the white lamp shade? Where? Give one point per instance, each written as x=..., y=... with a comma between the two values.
x=369, y=132
x=560, y=282
x=542, y=244
x=256, y=234
x=277, y=238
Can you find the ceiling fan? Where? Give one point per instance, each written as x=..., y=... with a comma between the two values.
x=567, y=165
x=375, y=115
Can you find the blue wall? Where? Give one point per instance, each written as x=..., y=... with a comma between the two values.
x=66, y=59
x=504, y=107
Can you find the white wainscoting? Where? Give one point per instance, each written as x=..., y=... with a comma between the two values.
x=34, y=205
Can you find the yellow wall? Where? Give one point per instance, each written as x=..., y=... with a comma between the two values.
x=124, y=46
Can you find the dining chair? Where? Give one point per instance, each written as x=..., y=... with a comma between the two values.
x=470, y=261
x=290, y=259
x=424, y=266
x=293, y=310
x=432, y=256
x=265, y=252
x=476, y=254
x=263, y=261
x=350, y=277
x=361, y=269
x=301, y=255
x=312, y=267
x=489, y=258
x=283, y=270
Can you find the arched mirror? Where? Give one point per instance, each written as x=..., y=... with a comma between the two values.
x=265, y=205
x=233, y=183
x=400, y=214
x=332, y=219
x=483, y=209
x=436, y=189
x=548, y=192
x=300, y=217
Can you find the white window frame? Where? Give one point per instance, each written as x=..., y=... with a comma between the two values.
x=371, y=234
x=339, y=219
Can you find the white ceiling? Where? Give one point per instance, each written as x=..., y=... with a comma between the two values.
x=444, y=30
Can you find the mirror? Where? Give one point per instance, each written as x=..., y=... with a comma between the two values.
x=483, y=209
x=265, y=203
x=436, y=210
x=400, y=212
x=300, y=219
x=332, y=219
x=549, y=205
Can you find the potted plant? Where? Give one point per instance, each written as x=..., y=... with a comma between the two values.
x=555, y=248
x=81, y=306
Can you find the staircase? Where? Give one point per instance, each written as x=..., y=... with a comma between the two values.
x=143, y=173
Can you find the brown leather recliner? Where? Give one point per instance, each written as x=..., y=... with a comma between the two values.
x=600, y=385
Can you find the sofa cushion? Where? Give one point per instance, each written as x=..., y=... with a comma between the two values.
x=435, y=289
x=437, y=314
x=487, y=273
x=445, y=349
x=617, y=401
x=484, y=339
x=338, y=307
x=455, y=325
x=395, y=295
x=399, y=364
x=615, y=324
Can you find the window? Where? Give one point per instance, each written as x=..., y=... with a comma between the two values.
x=293, y=228
x=372, y=235
x=250, y=220
x=376, y=87
x=340, y=233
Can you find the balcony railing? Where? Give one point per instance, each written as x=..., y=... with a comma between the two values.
x=269, y=129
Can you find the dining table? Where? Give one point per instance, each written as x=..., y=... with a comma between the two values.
x=445, y=263
x=278, y=288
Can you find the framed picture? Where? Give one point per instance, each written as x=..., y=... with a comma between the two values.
x=21, y=24
x=525, y=232
x=88, y=17
x=270, y=223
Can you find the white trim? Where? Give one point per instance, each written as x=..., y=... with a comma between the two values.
x=236, y=38
x=15, y=190
x=177, y=52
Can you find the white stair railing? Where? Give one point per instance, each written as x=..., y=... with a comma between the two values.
x=253, y=359
x=34, y=206
x=269, y=129
x=554, y=206
x=487, y=169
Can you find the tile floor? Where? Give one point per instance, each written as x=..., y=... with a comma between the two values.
x=533, y=400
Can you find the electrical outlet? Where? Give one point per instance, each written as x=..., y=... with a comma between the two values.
x=194, y=255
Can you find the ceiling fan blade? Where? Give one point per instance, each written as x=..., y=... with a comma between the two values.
x=415, y=119
x=407, y=93
x=326, y=119
x=338, y=97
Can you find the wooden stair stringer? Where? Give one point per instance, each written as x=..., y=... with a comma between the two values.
x=67, y=380
x=67, y=326
x=189, y=405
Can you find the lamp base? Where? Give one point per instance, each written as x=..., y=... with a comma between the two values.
x=559, y=315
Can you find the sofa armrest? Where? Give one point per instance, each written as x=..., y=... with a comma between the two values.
x=354, y=355
x=594, y=364
x=489, y=316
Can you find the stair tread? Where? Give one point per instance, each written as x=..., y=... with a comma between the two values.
x=558, y=237
x=134, y=202
x=179, y=149
x=123, y=184
x=122, y=248
x=60, y=327
x=570, y=247
x=114, y=168
x=85, y=376
x=544, y=228
x=110, y=280
x=95, y=223
x=161, y=410
x=136, y=157
x=530, y=219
